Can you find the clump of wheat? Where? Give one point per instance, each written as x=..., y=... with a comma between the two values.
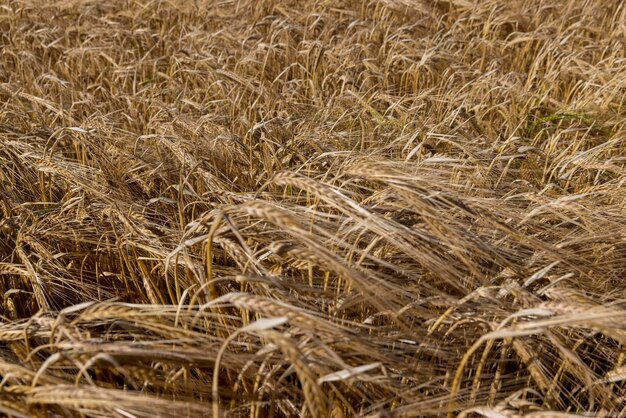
x=261, y=208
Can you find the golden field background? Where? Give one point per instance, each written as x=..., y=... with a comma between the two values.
x=321, y=209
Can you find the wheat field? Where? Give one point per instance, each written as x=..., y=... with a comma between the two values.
x=383, y=208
